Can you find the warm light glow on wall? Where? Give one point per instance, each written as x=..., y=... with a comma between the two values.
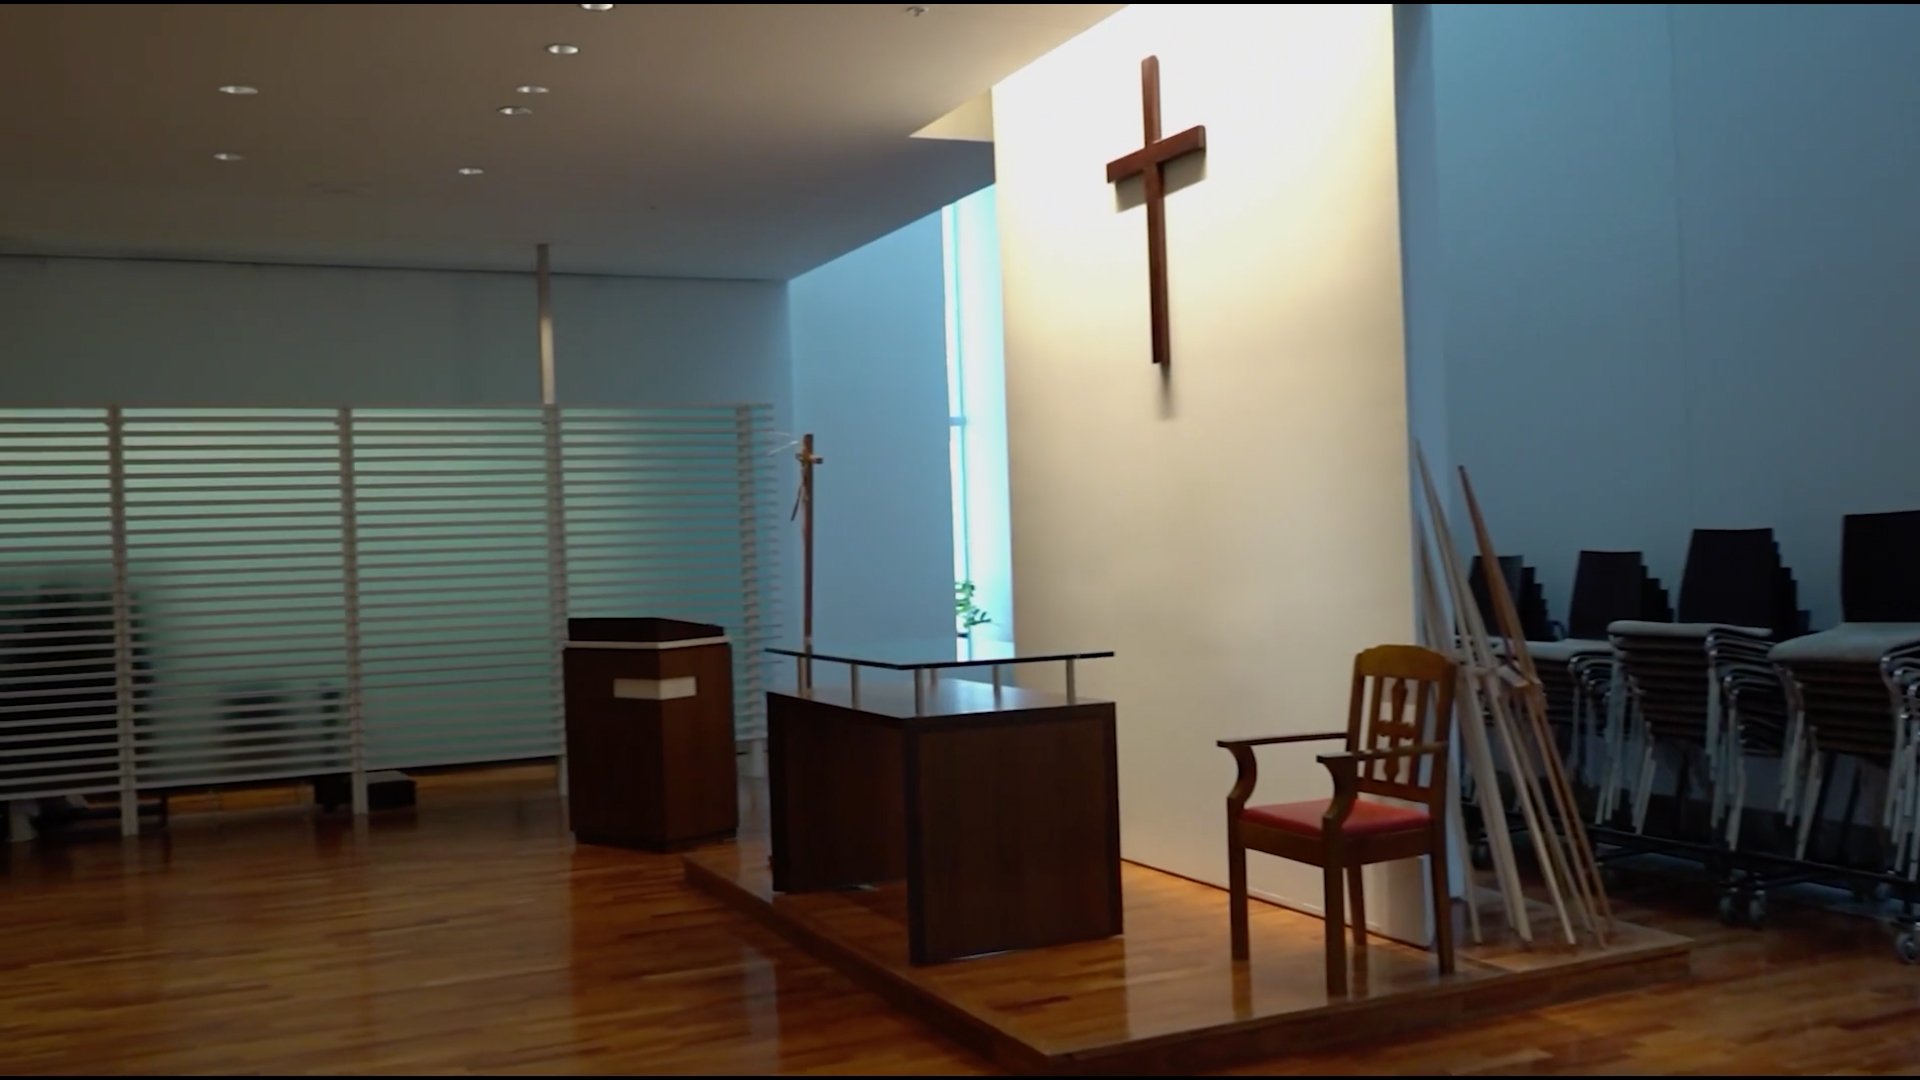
x=1237, y=527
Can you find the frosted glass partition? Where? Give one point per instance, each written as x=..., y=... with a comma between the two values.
x=198, y=596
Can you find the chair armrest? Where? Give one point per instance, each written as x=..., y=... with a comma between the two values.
x=1274, y=740
x=1344, y=769
x=1248, y=769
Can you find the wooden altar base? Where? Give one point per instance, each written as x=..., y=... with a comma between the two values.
x=1165, y=998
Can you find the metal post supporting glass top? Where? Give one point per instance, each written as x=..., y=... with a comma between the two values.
x=925, y=660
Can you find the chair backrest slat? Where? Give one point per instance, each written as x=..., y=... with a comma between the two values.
x=1402, y=696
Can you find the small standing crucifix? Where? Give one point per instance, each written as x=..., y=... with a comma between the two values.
x=1148, y=163
x=803, y=503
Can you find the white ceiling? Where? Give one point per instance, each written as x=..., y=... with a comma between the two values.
x=706, y=140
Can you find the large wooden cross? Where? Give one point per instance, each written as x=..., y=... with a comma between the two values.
x=1148, y=163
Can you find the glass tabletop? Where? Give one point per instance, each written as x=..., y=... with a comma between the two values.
x=918, y=655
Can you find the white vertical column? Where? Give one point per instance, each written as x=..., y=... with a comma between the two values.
x=557, y=573
x=543, y=289
x=751, y=628
x=122, y=622
x=350, y=606
x=556, y=501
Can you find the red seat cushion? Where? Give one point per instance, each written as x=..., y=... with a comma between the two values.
x=1367, y=819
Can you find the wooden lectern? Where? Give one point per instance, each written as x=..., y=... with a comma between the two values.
x=999, y=806
x=650, y=752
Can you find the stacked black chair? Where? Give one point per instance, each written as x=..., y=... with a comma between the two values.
x=1576, y=670
x=1701, y=689
x=1847, y=685
x=1609, y=586
x=1735, y=577
x=1523, y=585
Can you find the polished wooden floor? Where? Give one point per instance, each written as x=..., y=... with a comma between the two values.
x=1166, y=997
x=472, y=936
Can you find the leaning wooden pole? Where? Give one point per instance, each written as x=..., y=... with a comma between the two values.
x=1440, y=636
x=1472, y=716
x=1483, y=670
x=1586, y=869
x=1550, y=844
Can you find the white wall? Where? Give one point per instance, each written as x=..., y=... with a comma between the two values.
x=1423, y=287
x=90, y=332
x=1239, y=527
x=870, y=382
x=1676, y=272
x=101, y=331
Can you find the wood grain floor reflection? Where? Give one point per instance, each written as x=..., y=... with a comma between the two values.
x=472, y=936
x=1166, y=997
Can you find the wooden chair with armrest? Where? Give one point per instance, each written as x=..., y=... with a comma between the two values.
x=1400, y=694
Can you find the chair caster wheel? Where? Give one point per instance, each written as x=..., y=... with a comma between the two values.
x=1730, y=910
x=1907, y=947
x=1877, y=893
x=1756, y=912
x=1481, y=855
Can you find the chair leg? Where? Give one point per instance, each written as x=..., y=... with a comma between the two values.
x=1236, y=891
x=1442, y=907
x=1358, y=889
x=1335, y=906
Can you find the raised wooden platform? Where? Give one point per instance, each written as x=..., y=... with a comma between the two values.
x=1165, y=998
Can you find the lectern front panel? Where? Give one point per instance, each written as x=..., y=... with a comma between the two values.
x=998, y=806
x=650, y=742
x=1016, y=834
x=838, y=806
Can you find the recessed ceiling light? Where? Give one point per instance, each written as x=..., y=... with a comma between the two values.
x=469, y=170
x=228, y=155
x=531, y=89
x=561, y=48
x=239, y=90
x=597, y=7
x=514, y=110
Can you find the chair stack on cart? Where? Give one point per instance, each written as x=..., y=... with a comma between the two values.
x=1852, y=691
x=1698, y=693
x=1735, y=695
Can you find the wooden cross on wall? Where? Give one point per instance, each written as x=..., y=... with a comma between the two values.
x=1148, y=163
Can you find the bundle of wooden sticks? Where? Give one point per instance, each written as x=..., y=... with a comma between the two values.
x=1501, y=712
